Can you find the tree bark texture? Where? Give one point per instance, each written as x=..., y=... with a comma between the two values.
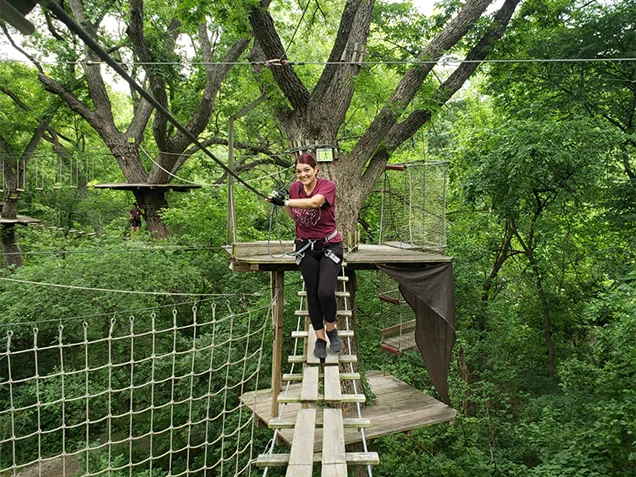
x=10, y=248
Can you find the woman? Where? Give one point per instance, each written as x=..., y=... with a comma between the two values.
x=312, y=205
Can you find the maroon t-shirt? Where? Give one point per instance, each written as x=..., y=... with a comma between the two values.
x=316, y=224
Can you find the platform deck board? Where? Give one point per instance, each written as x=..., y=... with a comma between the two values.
x=254, y=256
x=143, y=185
x=19, y=220
x=398, y=407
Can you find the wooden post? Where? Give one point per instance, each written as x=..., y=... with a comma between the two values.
x=278, y=296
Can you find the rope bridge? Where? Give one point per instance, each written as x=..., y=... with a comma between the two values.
x=153, y=395
x=313, y=416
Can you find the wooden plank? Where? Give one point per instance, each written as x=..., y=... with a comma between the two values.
x=333, y=446
x=332, y=358
x=340, y=294
x=287, y=398
x=333, y=392
x=342, y=358
x=309, y=387
x=338, y=313
x=305, y=334
x=351, y=458
x=334, y=470
x=311, y=345
x=301, y=456
x=289, y=423
x=409, y=325
x=278, y=298
x=399, y=343
x=343, y=376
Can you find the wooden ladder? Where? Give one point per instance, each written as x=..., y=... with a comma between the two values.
x=333, y=459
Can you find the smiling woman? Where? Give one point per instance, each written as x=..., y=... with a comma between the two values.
x=312, y=205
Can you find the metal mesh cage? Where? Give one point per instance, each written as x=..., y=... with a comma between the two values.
x=413, y=209
x=398, y=318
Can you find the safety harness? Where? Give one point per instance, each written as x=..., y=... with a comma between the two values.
x=300, y=254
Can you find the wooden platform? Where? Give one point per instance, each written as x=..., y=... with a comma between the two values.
x=143, y=185
x=20, y=220
x=259, y=256
x=398, y=407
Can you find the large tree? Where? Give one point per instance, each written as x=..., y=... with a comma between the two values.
x=315, y=111
x=184, y=83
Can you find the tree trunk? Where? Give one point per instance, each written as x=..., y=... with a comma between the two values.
x=10, y=248
x=547, y=322
x=151, y=202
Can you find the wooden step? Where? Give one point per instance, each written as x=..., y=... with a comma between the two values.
x=309, y=386
x=333, y=392
x=342, y=278
x=338, y=313
x=342, y=358
x=305, y=334
x=351, y=458
x=340, y=294
x=332, y=358
x=290, y=422
x=334, y=462
x=299, y=377
x=311, y=345
x=301, y=456
x=287, y=398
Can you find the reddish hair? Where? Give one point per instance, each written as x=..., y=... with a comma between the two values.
x=307, y=159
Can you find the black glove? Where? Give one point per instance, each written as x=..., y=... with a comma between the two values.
x=277, y=198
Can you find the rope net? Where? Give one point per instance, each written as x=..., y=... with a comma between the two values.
x=413, y=210
x=153, y=395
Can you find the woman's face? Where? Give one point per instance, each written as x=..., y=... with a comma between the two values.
x=306, y=174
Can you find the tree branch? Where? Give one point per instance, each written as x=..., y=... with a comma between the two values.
x=342, y=37
x=402, y=131
x=414, y=77
x=35, y=62
x=96, y=86
x=272, y=47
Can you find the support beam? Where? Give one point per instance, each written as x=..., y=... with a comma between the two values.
x=278, y=297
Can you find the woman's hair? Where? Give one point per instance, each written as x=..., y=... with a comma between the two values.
x=306, y=159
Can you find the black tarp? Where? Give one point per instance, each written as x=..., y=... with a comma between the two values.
x=430, y=291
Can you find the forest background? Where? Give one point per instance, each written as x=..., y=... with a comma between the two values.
x=541, y=214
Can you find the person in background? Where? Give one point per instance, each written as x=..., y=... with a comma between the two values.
x=312, y=206
x=135, y=219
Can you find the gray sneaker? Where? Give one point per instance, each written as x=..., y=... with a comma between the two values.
x=334, y=342
x=320, y=351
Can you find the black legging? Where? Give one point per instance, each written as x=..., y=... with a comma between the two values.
x=321, y=277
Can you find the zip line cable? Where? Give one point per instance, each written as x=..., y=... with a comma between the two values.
x=107, y=250
x=108, y=290
x=113, y=290
x=291, y=40
x=275, y=173
x=270, y=63
x=128, y=311
x=59, y=12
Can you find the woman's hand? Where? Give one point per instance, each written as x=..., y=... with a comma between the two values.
x=277, y=198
